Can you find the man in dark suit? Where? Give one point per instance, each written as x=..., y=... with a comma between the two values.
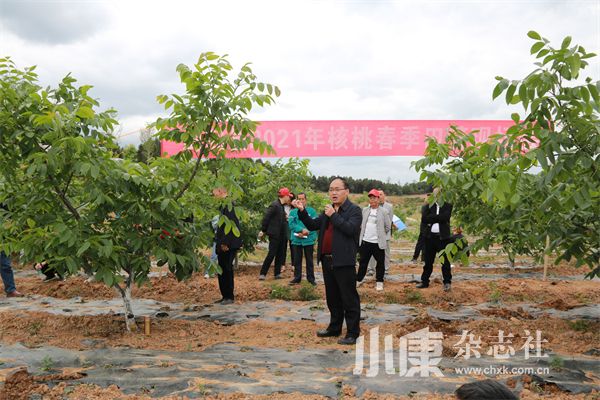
x=274, y=224
x=339, y=230
x=436, y=221
x=227, y=245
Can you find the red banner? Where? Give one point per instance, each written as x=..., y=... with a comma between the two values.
x=355, y=138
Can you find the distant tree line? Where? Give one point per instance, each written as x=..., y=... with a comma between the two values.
x=149, y=148
x=321, y=184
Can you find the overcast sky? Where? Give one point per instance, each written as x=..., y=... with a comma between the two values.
x=331, y=59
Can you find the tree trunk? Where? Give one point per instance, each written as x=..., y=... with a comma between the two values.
x=511, y=261
x=126, y=296
x=236, y=262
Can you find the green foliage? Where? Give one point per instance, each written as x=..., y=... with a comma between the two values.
x=281, y=292
x=47, y=364
x=557, y=363
x=541, y=177
x=495, y=293
x=308, y=292
x=72, y=203
x=413, y=296
x=581, y=325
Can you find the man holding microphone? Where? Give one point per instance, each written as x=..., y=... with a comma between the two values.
x=339, y=230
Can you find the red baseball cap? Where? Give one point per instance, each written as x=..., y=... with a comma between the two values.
x=284, y=192
x=374, y=192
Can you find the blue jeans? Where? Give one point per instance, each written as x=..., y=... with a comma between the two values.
x=7, y=273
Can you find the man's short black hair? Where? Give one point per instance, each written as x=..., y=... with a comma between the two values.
x=305, y=196
x=341, y=179
x=485, y=390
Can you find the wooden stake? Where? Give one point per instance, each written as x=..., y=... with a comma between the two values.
x=546, y=257
x=147, y=325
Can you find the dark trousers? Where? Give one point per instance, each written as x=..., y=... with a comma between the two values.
x=433, y=245
x=226, y=277
x=292, y=254
x=297, y=251
x=277, y=246
x=420, y=247
x=342, y=298
x=366, y=251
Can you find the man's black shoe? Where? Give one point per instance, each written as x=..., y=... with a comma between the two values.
x=226, y=302
x=326, y=333
x=294, y=282
x=278, y=277
x=313, y=283
x=347, y=340
x=422, y=286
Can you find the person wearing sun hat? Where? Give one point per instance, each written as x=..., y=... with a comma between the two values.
x=376, y=225
x=274, y=225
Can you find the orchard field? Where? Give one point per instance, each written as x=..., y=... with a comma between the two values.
x=71, y=335
x=135, y=317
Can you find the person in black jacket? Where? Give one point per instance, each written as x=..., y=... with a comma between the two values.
x=436, y=220
x=227, y=245
x=339, y=231
x=420, y=245
x=274, y=224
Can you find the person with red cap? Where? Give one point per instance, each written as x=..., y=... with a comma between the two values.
x=376, y=224
x=274, y=225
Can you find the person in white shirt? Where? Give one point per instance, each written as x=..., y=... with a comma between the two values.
x=376, y=225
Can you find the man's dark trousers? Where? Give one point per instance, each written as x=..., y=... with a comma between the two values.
x=277, y=246
x=433, y=244
x=341, y=294
x=297, y=251
x=226, y=259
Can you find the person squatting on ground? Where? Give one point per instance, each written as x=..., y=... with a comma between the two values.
x=227, y=245
x=303, y=242
x=339, y=230
x=274, y=224
x=437, y=235
x=373, y=241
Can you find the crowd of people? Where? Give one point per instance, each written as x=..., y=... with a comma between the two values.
x=342, y=231
x=346, y=231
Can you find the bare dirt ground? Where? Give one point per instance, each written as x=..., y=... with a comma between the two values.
x=507, y=296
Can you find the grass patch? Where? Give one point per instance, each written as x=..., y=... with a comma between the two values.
x=391, y=298
x=495, y=293
x=308, y=292
x=557, y=363
x=47, y=364
x=414, y=296
x=581, y=325
x=280, y=292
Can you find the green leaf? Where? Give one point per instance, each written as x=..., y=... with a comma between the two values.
x=83, y=248
x=85, y=112
x=30, y=223
x=566, y=42
x=575, y=64
x=537, y=46
x=534, y=35
x=503, y=84
x=509, y=93
x=164, y=204
x=515, y=117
